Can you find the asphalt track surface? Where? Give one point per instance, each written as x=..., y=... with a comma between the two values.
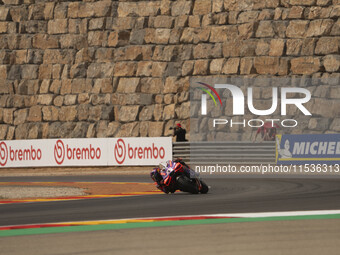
x=262, y=238
x=225, y=196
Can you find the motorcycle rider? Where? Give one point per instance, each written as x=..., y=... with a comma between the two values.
x=156, y=174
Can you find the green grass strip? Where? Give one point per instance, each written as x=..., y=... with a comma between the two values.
x=50, y=230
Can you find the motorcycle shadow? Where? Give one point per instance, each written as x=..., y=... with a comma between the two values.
x=182, y=193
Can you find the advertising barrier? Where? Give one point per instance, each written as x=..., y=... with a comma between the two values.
x=85, y=152
x=311, y=149
x=139, y=151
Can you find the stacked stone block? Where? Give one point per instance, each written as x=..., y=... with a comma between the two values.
x=122, y=68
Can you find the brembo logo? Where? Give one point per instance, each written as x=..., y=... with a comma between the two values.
x=59, y=152
x=27, y=154
x=123, y=152
x=120, y=151
x=74, y=153
x=3, y=153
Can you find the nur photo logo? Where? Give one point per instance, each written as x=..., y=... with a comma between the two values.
x=204, y=97
x=281, y=98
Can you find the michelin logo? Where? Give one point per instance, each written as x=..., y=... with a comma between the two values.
x=308, y=148
x=317, y=148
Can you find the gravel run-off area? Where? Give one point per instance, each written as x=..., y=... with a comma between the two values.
x=60, y=190
x=30, y=192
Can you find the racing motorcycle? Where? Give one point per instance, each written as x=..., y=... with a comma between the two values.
x=176, y=175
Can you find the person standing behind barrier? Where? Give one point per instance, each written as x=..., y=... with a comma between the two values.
x=267, y=131
x=179, y=132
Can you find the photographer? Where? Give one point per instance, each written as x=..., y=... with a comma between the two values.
x=179, y=132
x=267, y=131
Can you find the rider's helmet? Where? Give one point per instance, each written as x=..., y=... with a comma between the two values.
x=174, y=165
x=170, y=164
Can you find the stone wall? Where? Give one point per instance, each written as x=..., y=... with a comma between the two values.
x=122, y=68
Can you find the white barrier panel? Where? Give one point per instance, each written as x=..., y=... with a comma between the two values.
x=25, y=153
x=53, y=152
x=85, y=152
x=139, y=151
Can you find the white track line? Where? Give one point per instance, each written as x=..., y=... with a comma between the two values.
x=227, y=215
x=277, y=214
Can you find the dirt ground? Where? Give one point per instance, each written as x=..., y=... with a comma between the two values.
x=89, y=188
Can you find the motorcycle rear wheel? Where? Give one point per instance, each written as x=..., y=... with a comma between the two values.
x=205, y=188
x=185, y=184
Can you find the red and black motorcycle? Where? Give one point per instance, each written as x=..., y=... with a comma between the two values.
x=176, y=175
